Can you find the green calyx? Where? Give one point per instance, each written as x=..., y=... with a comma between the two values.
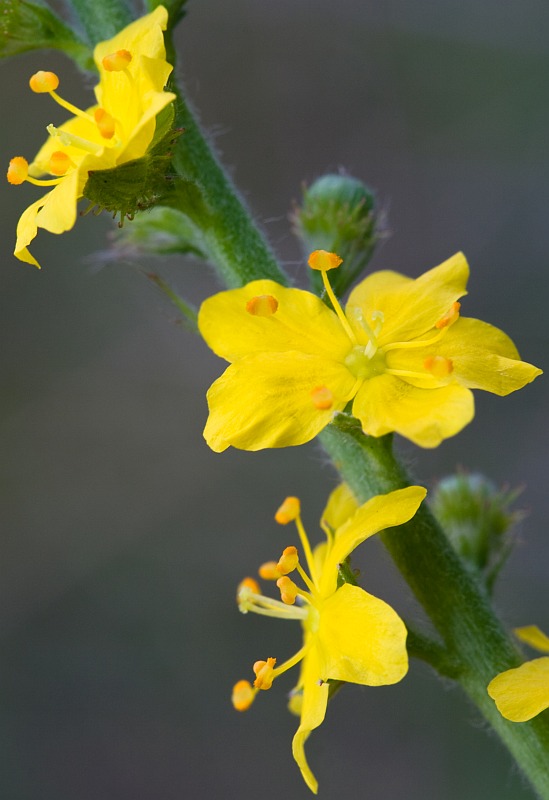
x=140, y=183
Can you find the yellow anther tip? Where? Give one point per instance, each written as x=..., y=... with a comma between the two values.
x=116, y=62
x=322, y=398
x=288, y=561
x=288, y=590
x=450, y=317
x=248, y=584
x=269, y=571
x=42, y=82
x=288, y=511
x=105, y=123
x=439, y=366
x=59, y=163
x=243, y=695
x=322, y=260
x=17, y=170
x=264, y=673
x=264, y=305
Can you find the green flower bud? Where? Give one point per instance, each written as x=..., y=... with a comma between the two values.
x=476, y=517
x=28, y=26
x=338, y=215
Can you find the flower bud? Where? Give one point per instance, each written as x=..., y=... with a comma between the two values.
x=477, y=520
x=337, y=214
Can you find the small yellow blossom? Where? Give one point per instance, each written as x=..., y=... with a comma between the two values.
x=523, y=692
x=349, y=635
x=130, y=94
x=400, y=352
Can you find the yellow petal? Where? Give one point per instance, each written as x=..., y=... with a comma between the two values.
x=313, y=711
x=144, y=36
x=77, y=126
x=265, y=401
x=522, y=693
x=27, y=230
x=410, y=307
x=341, y=505
x=363, y=640
x=425, y=416
x=58, y=213
x=482, y=356
x=382, y=511
x=301, y=322
x=532, y=635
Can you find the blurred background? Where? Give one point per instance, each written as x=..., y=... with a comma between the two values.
x=123, y=537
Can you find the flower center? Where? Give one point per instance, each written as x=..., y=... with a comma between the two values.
x=364, y=366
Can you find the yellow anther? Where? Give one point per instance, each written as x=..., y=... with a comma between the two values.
x=243, y=695
x=269, y=571
x=288, y=590
x=439, y=366
x=322, y=398
x=449, y=318
x=248, y=583
x=17, y=170
x=264, y=305
x=42, y=82
x=288, y=511
x=288, y=561
x=106, y=124
x=264, y=673
x=116, y=62
x=322, y=260
x=59, y=163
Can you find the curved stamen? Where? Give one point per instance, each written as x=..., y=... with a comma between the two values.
x=267, y=606
x=306, y=549
x=337, y=308
x=291, y=662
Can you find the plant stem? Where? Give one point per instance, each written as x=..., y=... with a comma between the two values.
x=457, y=604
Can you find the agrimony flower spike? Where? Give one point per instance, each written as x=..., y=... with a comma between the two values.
x=117, y=130
x=400, y=351
x=348, y=634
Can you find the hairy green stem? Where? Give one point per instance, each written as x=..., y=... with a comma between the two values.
x=476, y=647
x=456, y=603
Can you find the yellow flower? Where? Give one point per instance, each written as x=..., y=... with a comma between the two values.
x=133, y=72
x=523, y=692
x=400, y=351
x=349, y=635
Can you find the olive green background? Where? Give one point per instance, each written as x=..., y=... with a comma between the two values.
x=123, y=537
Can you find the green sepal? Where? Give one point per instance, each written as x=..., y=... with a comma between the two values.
x=140, y=183
x=26, y=26
x=338, y=214
x=161, y=231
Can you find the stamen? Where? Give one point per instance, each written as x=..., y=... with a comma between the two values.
x=243, y=695
x=306, y=549
x=43, y=82
x=288, y=511
x=322, y=260
x=288, y=561
x=269, y=571
x=291, y=662
x=264, y=305
x=18, y=171
x=69, y=139
x=264, y=673
x=248, y=583
x=59, y=163
x=439, y=366
x=449, y=318
x=288, y=590
x=117, y=62
x=322, y=398
x=106, y=124
x=267, y=606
